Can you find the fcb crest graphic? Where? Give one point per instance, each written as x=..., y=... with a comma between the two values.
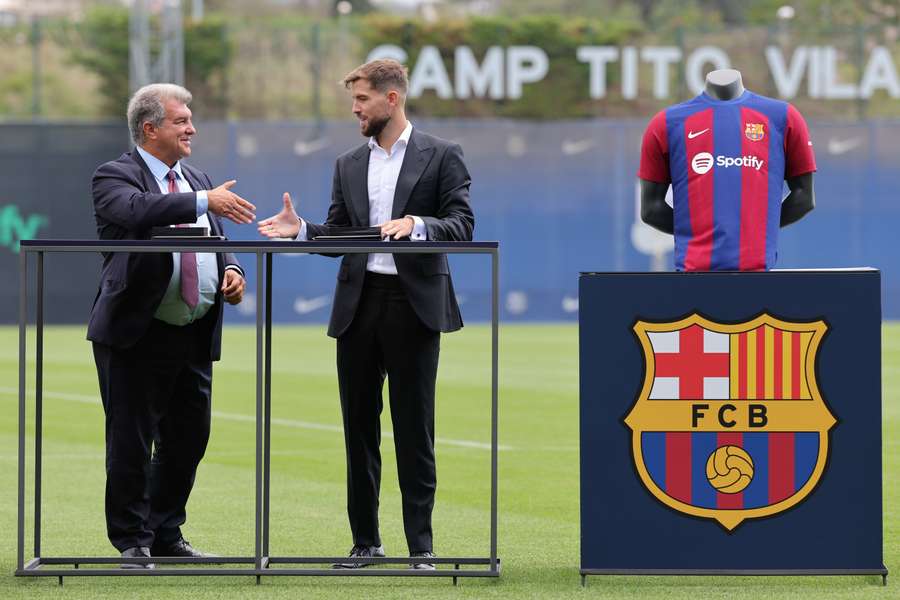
x=729, y=423
x=754, y=131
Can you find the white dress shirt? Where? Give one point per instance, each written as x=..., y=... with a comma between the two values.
x=384, y=170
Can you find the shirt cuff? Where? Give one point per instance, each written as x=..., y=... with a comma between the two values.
x=202, y=203
x=301, y=235
x=235, y=268
x=419, y=232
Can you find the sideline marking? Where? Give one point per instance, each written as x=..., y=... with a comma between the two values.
x=95, y=400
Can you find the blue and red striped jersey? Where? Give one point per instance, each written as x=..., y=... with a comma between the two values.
x=727, y=161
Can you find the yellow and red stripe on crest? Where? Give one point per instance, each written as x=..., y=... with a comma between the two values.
x=768, y=363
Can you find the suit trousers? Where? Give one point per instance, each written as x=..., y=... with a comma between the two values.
x=387, y=339
x=156, y=397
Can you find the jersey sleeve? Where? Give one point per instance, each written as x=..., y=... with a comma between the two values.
x=799, y=158
x=655, y=151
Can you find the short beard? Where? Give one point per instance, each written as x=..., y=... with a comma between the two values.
x=375, y=126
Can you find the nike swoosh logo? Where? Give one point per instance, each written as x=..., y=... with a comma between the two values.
x=303, y=306
x=302, y=148
x=836, y=146
x=570, y=148
x=692, y=135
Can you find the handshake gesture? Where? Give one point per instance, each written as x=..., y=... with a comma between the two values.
x=287, y=223
x=225, y=203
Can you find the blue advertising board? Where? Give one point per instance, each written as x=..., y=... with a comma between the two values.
x=561, y=196
x=731, y=422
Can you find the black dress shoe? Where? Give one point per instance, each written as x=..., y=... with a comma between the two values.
x=180, y=548
x=137, y=552
x=422, y=566
x=359, y=551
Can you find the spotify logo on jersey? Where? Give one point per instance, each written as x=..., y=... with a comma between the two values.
x=702, y=163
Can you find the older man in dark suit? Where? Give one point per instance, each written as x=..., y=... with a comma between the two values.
x=389, y=310
x=156, y=324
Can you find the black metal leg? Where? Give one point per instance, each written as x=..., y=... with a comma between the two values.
x=260, y=304
x=38, y=400
x=495, y=336
x=267, y=409
x=23, y=323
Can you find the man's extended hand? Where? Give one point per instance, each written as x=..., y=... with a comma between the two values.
x=398, y=228
x=225, y=203
x=233, y=286
x=285, y=224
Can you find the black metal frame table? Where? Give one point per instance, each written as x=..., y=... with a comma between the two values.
x=259, y=564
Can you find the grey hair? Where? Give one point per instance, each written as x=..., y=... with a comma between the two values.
x=148, y=106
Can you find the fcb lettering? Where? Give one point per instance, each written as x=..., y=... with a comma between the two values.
x=729, y=423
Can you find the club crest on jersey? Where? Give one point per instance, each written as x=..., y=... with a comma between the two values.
x=754, y=131
x=729, y=423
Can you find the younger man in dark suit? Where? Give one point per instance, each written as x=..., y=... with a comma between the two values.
x=389, y=310
x=156, y=324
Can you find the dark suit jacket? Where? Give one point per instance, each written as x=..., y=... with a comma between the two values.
x=434, y=185
x=127, y=204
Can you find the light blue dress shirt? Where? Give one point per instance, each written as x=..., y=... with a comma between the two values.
x=173, y=309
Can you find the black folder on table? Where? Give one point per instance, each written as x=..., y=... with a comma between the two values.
x=182, y=233
x=350, y=234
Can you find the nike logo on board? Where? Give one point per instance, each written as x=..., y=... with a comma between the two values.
x=836, y=146
x=302, y=306
x=570, y=147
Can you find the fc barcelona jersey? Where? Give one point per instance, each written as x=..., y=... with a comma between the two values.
x=727, y=161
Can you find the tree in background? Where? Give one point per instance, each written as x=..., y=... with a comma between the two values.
x=656, y=13
x=102, y=48
x=281, y=59
x=824, y=14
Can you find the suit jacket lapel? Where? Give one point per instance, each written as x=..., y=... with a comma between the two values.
x=214, y=227
x=196, y=184
x=418, y=154
x=147, y=177
x=193, y=181
x=358, y=182
x=150, y=181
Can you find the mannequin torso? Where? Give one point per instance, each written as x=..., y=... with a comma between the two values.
x=724, y=85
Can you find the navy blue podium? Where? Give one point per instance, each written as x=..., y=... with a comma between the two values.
x=731, y=423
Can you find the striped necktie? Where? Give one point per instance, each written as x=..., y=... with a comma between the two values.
x=190, y=284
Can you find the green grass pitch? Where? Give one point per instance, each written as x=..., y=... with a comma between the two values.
x=539, y=506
